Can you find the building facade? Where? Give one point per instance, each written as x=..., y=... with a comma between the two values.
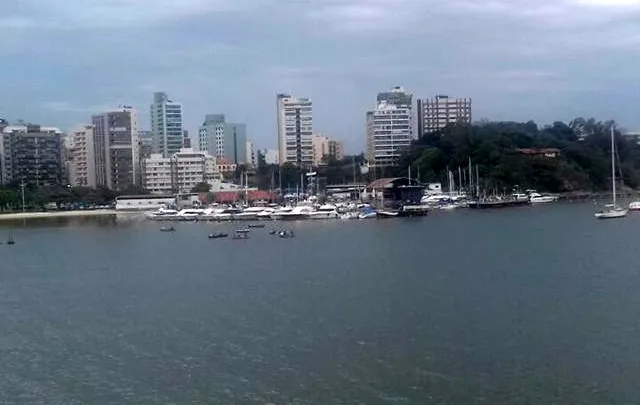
x=224, y=140
x=31, y=154
x=166, y=125
x=436, y=113
x=324, y=148
x=179, y=173
x=270, y=156
x=82, y=158
x=116, y=148
x=389, y=133
x=251, y=154
x=295, y=130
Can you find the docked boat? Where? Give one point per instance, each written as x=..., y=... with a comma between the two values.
x=384, y=214
x=537, y=198
x=634, y=206
x=498, y=203
x=162, y=214
x=297, y=213
x=367, y=213
x=248, y=214
x=612, y=211
x=411, y=210
x=326, y=211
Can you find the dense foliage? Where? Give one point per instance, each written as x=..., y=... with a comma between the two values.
x=583, y=163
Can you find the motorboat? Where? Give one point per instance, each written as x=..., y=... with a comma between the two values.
x=249, y=213
x=634, y=206
x=537, y=198
x=297, y=213
x=218, y=235
x=189, y=214
x=383, y=214
x=367, y=213
x=326, y=211
x=265, y=213
x=161, y=214
x=251, y=226
x=241, y=234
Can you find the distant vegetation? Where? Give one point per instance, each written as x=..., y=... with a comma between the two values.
x=583, y=163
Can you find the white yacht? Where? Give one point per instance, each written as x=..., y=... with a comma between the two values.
x=265, y=213
x=537, y=198
x=299, y=212
x=188, y=214
x=326, y=211
x=250, y=213
x=161, y=214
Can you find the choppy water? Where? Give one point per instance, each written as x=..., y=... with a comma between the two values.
x=524, y=306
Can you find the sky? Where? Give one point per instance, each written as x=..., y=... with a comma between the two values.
x=545, y=60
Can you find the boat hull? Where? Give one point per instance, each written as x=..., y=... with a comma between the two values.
x=497, y=204
x=611, y=214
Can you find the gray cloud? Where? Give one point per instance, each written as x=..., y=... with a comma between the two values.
x=518, y=59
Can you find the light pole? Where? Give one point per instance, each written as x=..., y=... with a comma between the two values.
x=22, y=187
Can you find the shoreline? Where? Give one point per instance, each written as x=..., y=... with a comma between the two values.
x=63, y=214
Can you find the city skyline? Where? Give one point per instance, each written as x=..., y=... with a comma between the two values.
x=518, y=60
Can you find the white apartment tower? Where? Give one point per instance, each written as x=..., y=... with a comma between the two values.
x=82, y=160
x=295, y=130
x=166, y=125
x=436, y=113
x=390, y=127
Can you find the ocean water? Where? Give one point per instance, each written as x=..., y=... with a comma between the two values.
x=536, y=305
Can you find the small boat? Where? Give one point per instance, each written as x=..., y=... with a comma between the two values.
x=218, y=235
x=537, y=198
x=167, y=229
x=273, y=232
x=634, y=206
x=243, y=231
x=241, y=234
x=382, y=214
x=286, y=234
x=11, y=240
x=254, y=226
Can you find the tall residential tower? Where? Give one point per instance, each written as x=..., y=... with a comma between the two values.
x=295, y=130
x=390, y=127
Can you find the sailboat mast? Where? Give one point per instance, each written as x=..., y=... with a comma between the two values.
x=477, y=182
x=613, y=167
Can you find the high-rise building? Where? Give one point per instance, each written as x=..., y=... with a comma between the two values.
x=117, y=151
x=295, y=130
x=222, y=139
x=186, y=140
x=179, y=173
x=166, y=125
x=31, y=154
x=146, y=144
x=396, y=96
x=436, y=113
x=270, y=156
x=251, y=154
x=81, y=157
x=389, y=133
x=324, y=148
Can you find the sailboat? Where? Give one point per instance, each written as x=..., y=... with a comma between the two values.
x=612, y=210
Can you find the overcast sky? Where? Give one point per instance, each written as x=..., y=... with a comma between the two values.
x=547, y=60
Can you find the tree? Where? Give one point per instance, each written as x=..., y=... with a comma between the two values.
x=201, y=187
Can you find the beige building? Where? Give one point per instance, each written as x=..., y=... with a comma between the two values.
x=323, y=147
x=389, y=133
x=436, y=113
x=82, y=160
x=180, y=172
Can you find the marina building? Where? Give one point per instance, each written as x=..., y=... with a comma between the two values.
x=436, y=113
x=295, y=130
x=166, y=125
x=116, y=149
x=31, y=154
x=179, y=173
x=222, y=139
x=82, y=158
